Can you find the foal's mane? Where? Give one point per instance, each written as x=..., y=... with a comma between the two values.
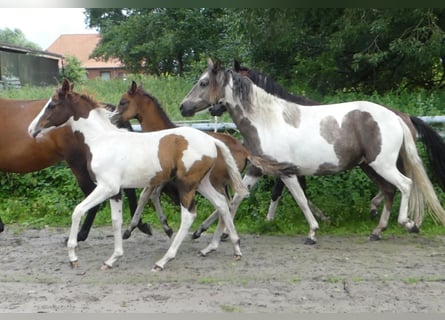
x=272, y=87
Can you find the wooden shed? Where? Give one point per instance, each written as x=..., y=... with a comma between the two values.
x=21, y=66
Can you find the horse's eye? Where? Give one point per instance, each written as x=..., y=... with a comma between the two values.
x=204, y=83
x=51, y=106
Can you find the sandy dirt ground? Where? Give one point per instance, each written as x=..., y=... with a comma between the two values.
x=276, y=274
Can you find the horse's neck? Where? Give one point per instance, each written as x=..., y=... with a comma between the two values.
x=97, y=124
x=154, y=121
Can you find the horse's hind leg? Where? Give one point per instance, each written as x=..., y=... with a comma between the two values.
x=132, y=202
x=2, y=226
x=249, y=181
x=187, y=218
x=143, y=199
x=155, y=199
x=220, y=202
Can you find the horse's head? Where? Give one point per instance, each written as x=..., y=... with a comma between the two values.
x=209, y=90
x=128, y=107
x=63, y=105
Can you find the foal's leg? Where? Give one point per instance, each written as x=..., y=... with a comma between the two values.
x=297, y=192
x=277, y=191
x=116, y=218
x=156, y=200
x=404, y=184
x=220, y=202
x=187, y=218
x=249, y=181
x=99, y=195
x=143, y=199
x=2, y=226
x=375, y=202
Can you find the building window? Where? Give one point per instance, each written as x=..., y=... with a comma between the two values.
x=105, y=75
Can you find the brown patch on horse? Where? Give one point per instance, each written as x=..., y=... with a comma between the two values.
x=170, y=154
x=351, y=144
x=85, y=153
x=292, y=116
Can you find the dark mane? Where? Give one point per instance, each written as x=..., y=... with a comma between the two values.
x=242, y=87
x=274, y=88
x=158, y=106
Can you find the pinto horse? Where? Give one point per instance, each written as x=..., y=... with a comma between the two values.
x=121, y=159
x=431, y=140
x=22, y=154
x=322, y=140
x=137, y=103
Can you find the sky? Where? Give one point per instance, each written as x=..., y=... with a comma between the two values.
x=44, y=25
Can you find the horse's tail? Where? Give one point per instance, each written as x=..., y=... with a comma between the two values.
x=435, y=149
x=422, y=191
x=232, y=169
x=272, y=167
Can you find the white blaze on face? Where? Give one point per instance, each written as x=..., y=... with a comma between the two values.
x=33, y=124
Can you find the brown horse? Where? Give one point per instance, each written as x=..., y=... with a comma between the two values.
x=22, y=154
x=136, y=103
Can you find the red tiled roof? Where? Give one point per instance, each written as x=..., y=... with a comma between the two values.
x=81, y=46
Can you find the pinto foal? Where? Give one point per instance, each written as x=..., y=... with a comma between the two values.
x=121, y=159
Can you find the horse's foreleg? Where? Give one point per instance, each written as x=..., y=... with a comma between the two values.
x=156, y=200
x=384, y=218
x=297, y=192
x=143, y=199
x=275, y=198
x=132, y=202
x=99, y=194
x=116, y=218
x=375, y=202
x=187, y=218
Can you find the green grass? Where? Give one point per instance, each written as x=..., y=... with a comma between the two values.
x=48, y=197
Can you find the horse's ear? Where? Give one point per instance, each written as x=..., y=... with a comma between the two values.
x=216, y=66
x=66, y=87
x=133, y=87
x=236, y=65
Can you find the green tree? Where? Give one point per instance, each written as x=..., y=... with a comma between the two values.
x=162, y=40
x=73, y=70
x=17, y=37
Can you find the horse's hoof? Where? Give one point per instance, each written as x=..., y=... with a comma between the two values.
x=105, y=267
x=156, y=268
x=169, y=232
x=310, y=241
x=414, y=229
x=224, y=236
x=374, y=237
x=202, y=254
x=196, y=235
x=237, y=257
x=373, y=214
x=73, y=264
x=126, y=235
x=145, y=228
